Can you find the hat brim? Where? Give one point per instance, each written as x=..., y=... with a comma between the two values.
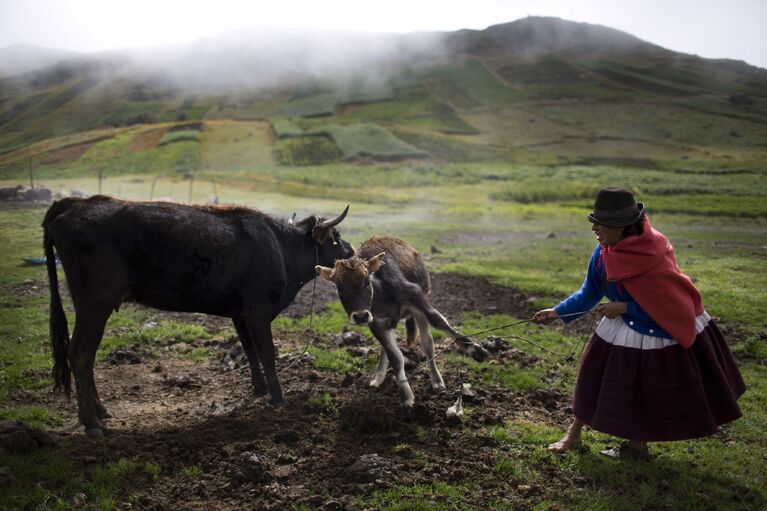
x=618, y=221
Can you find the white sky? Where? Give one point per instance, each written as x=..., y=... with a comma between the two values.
x=709, y=28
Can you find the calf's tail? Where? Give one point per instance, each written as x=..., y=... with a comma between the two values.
x=59, y=330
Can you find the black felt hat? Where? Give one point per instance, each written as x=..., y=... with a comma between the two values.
x=616, y=207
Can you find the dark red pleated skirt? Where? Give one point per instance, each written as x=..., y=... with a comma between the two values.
x=667, y=393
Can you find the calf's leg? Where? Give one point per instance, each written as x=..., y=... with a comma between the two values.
x=438, y=321
x=380, y=373
x=427, y=344
x=388, y=339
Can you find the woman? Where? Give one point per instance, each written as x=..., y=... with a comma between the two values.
x=657, y=367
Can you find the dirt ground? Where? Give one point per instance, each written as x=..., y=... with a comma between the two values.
x=220, y=447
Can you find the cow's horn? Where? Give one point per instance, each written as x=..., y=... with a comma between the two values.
x=327, y=224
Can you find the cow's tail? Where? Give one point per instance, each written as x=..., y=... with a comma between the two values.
x=59, y=330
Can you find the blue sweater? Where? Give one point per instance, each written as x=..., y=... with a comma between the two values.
x=595, y=287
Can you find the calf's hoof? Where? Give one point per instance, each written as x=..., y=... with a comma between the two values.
x=376, y=382
x=438, y=386
x=406, y=398
x=472, y=349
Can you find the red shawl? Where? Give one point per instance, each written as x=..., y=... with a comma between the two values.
x=646, y=266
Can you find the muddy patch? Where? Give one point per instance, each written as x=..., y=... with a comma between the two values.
x=333, y=445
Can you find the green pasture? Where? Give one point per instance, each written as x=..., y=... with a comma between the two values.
x=229, y=146
x=519, y=225
x=310, y=106
x=409, y=105
x=664, y=122
x=468, y=86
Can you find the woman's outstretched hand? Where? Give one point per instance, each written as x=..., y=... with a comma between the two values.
x=612, y=310
x=545, y=316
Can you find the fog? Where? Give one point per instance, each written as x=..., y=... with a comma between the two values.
x=709, y=28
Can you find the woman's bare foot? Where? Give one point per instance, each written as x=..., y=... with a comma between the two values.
x=571, y=439
x=566, y=443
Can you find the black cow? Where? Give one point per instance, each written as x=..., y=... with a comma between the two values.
x=227, y=261
x=387, y=281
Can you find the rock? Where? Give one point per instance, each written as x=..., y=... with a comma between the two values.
x=495, y=344
x=366, y=469
x=287, y=437
x=351, y=338
x=359, y=351
x=16, y=437
x=435, y=250
x=79, y=500
x=234, y=358
x=286, y=459
x=123, y=356
x=253, y=467
x=185, y=381
x=525, y=489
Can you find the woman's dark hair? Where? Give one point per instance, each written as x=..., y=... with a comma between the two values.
x=634, y=229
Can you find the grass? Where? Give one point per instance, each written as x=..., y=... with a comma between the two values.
x=309, y=106
x=368, y=140
x=438, y=496
x=46, y=480
x=323, y=404
x=171, y=137
x=235, y=146
x=469, y=85
x=689, y=473
x=310, y=150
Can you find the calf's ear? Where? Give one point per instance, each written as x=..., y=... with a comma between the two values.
x=375, y=262
x=324, y=272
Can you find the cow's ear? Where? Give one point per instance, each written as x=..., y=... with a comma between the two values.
x=375, y=262
x=324, y=272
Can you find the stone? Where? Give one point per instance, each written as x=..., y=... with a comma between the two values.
x=253, y=467
x=366, y=469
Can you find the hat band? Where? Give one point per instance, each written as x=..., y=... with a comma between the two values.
x=629, y=210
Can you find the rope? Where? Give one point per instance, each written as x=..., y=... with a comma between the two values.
x=311, y=315
x=568, y=358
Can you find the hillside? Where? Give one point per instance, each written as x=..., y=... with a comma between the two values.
x=537, y=90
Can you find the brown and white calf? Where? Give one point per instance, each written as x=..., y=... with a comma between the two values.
x=384, y=282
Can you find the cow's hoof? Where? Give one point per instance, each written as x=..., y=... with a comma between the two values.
x=94, y=432
x=278, y=401
x=438, y=387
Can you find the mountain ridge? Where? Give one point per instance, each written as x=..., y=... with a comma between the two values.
x=561, y=90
